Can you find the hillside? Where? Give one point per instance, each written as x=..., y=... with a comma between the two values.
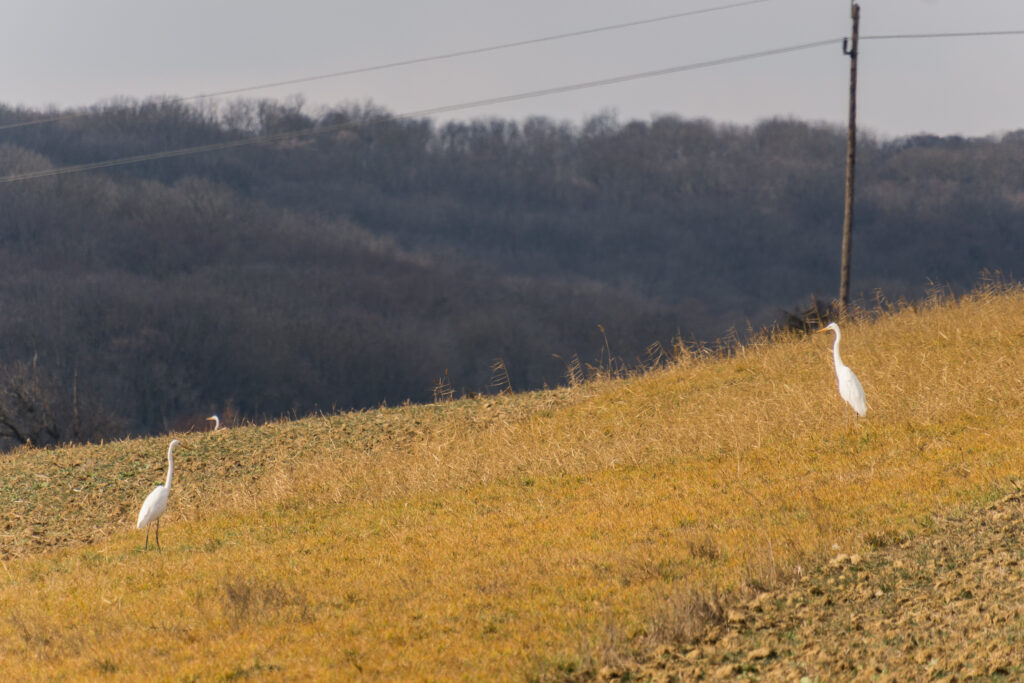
x=538, y=535
x=363, y=264
x=943, y=604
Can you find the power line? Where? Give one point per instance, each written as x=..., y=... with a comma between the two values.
x=421, y=60
x=621, y=79
x=962, y=34
x=273, y=137
x=489, y=48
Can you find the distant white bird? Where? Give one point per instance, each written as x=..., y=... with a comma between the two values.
x=156, y=502
x=849, y=386
x=216, y=422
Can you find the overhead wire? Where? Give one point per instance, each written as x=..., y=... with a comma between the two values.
x=957, y=34
x=419, y=60
x=621, y=79
x=489, y=48
x=315, y=130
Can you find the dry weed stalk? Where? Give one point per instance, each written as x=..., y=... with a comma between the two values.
x=500, y=380
x=443, y=391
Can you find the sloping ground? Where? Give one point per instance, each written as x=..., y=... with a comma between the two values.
x=538, y=535
x=70, y=496
x=945, y=605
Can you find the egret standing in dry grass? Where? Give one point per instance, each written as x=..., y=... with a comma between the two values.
x=849, y=386
x=216, y=422
x=156, y=502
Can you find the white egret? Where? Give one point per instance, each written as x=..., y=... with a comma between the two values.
x=849, y=386
x=156, y=502
x=216, y=422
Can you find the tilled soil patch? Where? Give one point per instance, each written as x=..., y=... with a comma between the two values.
x=947, y=605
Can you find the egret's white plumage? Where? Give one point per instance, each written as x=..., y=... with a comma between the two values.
x=156, y=502
x=216, y=422
x=849, y=386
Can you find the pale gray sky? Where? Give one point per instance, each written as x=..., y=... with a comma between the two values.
x=77, y=52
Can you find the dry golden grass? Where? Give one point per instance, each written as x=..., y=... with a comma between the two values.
x=506, y=537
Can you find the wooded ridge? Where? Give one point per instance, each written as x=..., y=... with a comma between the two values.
x=366, y=263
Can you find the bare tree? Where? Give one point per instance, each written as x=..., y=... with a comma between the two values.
x=36, y=409
x=28, y=411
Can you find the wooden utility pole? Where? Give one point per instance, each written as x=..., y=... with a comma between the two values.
x=851, y=159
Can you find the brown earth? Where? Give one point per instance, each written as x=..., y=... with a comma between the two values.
x=945, y=605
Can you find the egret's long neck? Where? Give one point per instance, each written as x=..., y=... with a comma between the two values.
x=170, y=466
x=835, y=352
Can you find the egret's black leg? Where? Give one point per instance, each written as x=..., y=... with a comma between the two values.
x=158, y=534
x=147, y=538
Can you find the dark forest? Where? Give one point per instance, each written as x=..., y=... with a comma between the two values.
x=380, y=258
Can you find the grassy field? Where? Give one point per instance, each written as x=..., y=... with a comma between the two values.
x=507, y=537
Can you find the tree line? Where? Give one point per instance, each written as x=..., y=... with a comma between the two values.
x=365, y=263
